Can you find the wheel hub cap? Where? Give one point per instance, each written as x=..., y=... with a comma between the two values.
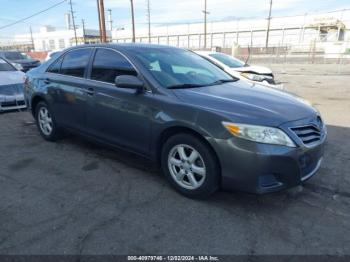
x=186, y=166
x=45, y=121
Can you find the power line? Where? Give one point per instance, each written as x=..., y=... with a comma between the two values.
x=148, y=19
x=102, y=21
x=132, y=20
x=83, y=27
x=205, y=12
x=268, y=27
x=73, y=21
x=35, y=14
x=110, y=19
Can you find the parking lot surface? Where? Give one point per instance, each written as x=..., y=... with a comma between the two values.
x=75, y=197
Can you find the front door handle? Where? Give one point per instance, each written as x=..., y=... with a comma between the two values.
x=47, y=81
x=90, y=91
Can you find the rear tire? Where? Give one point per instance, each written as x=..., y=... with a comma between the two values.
x=190, y=166
x=46, y=123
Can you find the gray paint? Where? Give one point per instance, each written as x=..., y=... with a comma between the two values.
x=135, y=121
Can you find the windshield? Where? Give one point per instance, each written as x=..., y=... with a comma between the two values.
x=227, y=60
x=15, y=56
x=173, y=67
x=4, y=66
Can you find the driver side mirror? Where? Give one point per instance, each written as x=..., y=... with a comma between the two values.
x=129, y=81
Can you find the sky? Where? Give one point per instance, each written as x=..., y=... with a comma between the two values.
x=162, y=11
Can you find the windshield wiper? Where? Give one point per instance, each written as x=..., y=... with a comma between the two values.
x=222, y=81
x=180, y=86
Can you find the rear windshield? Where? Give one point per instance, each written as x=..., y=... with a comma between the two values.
x=15, y=56
x=4, y=66
x=228, y=60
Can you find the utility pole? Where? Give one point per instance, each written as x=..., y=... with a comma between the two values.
x=31, y=36
x=99, y=19
x=110, y=21
x=132, y=20
x=205, y=23
x=102, y=21
x=268, y=27
x=83, y=27
x=149, y=20
x=73, y=21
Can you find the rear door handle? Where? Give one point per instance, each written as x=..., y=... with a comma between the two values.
x=47, y=81
x=90, y=91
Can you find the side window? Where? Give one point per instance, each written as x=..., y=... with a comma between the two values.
x=75, y=62
x=108, y=64
x=55, y=67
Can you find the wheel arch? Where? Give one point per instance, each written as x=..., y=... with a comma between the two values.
x=35, y=101
x=173, y=130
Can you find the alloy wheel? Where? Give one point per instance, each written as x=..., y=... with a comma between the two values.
x=45, y=121
x=186, y=166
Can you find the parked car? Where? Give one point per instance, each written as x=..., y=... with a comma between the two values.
x=204, y=127
x=21, y=61
x=11, y=87
x=237, y=68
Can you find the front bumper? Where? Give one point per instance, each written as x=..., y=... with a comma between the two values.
x=263, y=168
x=9, y=103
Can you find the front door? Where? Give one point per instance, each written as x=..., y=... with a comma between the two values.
x=118, y=115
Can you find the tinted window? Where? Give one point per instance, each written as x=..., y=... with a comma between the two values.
x=4, y=66
x=228, y=60
x=14, y=56
x=55, y=67
x=108, y=64
x=75, y=62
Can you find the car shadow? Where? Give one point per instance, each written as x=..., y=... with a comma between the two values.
x=336, y=161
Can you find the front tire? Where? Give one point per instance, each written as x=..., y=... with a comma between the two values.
x=190, y=166
x=46, y=122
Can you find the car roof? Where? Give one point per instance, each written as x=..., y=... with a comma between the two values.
x=200, y=52
x=123, y=46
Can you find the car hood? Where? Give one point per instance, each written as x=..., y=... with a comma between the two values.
x=243, y=102
x=11, y=77
x=255, y=69
x=11, y=84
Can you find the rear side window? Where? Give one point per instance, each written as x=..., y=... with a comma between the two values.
x=108, y=64
x=55, y=67
x=75, y=62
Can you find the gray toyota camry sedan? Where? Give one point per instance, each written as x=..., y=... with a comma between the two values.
x=206, y=129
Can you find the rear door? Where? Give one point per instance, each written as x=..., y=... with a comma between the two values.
x=66, y=87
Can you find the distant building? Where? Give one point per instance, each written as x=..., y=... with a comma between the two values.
x=49, y=39
x=284, y=31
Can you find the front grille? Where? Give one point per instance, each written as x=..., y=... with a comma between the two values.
x=308, y=134
x=12, y=103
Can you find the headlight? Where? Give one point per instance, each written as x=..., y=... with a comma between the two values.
x=261, y=134
x=255, y=77
x=18, y=66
